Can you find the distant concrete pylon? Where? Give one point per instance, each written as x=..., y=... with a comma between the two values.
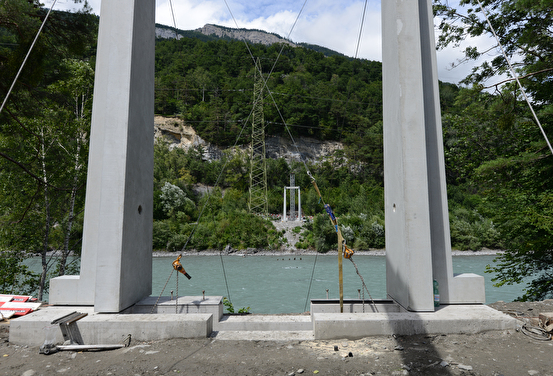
x=258, y=167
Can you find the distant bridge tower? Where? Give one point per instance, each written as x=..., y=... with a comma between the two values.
x=258, y=167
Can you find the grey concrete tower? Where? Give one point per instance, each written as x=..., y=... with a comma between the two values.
x=417, y=223
x=116, y=259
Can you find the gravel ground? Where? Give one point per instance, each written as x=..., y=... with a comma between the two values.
x=492, y=353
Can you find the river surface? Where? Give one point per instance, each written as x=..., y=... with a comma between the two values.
x=285, y=284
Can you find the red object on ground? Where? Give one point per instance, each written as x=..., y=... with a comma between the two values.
x=17, y=311
x=20, y=298
x=19, y=305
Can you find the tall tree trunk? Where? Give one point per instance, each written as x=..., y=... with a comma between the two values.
x=80, y=104
x=71, y=218
x=47, y=220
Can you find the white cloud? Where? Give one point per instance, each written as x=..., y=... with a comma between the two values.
x=338, y=29
x=190, y=15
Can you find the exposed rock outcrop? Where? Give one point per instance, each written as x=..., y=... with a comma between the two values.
x=177, y=134
x=167, y=33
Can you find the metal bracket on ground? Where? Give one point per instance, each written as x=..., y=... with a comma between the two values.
x=71, y=334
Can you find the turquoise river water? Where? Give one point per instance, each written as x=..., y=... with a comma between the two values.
x=280, y=284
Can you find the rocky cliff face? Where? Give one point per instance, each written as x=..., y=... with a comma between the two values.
x=254, y=36
x=177, y=134
x=166, y=33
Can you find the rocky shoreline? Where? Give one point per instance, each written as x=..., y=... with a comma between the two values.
x=228, y=251
x=301, y=252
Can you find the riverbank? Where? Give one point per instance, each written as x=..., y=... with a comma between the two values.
x=286, y=252
x=302, y=252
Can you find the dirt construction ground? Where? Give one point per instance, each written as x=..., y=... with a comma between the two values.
x=493, y=353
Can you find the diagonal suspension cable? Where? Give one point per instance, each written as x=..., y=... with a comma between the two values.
x=361, y=28
x=174, y=22
x=208, y=192
x=280, y=114
x=27, y=56
x=266, y=80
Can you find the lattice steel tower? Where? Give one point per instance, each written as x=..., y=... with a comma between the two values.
x=258, y=166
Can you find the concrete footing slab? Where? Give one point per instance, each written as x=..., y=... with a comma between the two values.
x=355, y=306
x=264, y=323
x=106, y=329
x=322, y=324
x=265, y=335
x=183, y=304
x=445, y=320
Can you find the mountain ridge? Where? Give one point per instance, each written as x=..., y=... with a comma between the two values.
x=215, y=32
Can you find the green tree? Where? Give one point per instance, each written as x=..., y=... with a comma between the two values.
x=16, y=278
x=44, y=129
x=516, y=179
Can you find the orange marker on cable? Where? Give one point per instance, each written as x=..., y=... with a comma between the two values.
x=178, y=267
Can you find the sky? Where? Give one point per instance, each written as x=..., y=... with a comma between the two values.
x=328, y=23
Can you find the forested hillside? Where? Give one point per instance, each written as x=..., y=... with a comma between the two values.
x=499, y=170
x=211, y=85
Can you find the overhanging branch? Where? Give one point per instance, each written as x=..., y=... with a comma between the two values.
x=520, y=77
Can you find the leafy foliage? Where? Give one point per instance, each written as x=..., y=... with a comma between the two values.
x=14, y=274
x=43, y=136
x=510, y=169
x=210, y=85
x=230, y=307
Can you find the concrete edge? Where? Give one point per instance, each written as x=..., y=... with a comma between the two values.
x=264, y=323
x=104, y=329
x=446, y=320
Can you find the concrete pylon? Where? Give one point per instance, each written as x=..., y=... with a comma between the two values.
x=417, y=223
x=116, y=258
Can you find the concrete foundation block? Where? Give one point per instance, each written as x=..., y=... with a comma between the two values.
x=184, y=304
x=106, y=329
x=467, y=288
x=446, y=320
x=354, y=306
x=264, y=323
x=71, y=290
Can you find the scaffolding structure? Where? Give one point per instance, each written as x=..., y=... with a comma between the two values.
x=258, y=203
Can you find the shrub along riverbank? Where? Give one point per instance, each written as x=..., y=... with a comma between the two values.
x=356, y=200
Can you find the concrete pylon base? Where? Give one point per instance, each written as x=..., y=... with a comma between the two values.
x=109, y=328
x=105, y=329
x=450, y=319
